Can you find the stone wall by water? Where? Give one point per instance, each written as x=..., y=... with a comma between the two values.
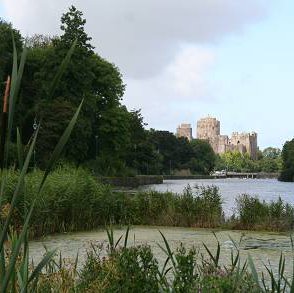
x=132, y=181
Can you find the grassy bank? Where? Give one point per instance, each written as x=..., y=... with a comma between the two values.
x=72, y=200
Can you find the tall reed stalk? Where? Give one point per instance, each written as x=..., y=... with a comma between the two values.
x=15, y=274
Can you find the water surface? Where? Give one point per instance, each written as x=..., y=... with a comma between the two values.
x=230, y=188
x=263, y=247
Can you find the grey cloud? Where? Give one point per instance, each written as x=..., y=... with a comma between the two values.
x=142, y=36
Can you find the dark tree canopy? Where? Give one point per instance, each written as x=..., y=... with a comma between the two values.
x=287, y=173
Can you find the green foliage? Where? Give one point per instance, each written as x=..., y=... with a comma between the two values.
x=131, y=269
x=14, y=260
x=269, y=161
x=287, y=173
x=272, y=153
x=73, y=200
x=203, y=158
x=236, y=161
x=256, y=214
x=179, y=153
x=89, y=76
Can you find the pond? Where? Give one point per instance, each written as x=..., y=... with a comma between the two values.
x=263, y=247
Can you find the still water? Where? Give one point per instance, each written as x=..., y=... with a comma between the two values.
x=263, y=247
x=265, y=189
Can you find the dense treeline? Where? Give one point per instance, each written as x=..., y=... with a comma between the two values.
x=269, y=161
x=108, y=138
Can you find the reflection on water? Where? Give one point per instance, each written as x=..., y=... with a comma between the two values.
x=263, y=247
x=266, y=189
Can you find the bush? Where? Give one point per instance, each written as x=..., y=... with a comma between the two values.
x=256, y=214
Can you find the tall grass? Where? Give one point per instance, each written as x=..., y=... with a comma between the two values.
x=72, y=200
x=252, y=213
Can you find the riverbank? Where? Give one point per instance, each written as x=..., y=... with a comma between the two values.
x=72, y=200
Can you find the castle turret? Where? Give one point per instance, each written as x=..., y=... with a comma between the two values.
x=207, y=128
x=184, y=130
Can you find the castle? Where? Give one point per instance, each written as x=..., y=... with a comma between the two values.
x=209, y=129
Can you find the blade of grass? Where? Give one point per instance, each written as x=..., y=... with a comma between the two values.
x=16, y=191
x=253, y=271
x=15, y=86
x=19, y=149
x=126, y=237
x=61, y=70
x=41, y=264
x=60, y=145
x=168, y=250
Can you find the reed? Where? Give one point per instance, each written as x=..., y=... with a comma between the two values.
x=15, y=273
x=254, y=214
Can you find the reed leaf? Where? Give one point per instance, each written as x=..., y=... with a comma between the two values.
x=253, y=271
x=15, y=86
x=61, y=70
x=168, y=250
x=126, y=237
x=20, y=153
x=16, y=194
x=60, y=145
x=45, y=260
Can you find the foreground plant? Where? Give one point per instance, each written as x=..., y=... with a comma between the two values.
x=15, y=274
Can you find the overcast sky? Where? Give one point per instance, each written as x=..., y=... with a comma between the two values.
x=183, y=60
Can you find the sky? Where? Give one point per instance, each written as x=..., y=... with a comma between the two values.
x=184, y=60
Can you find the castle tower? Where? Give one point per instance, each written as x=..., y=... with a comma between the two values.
x=245, y=142
x=184, y=130
x=207, y=128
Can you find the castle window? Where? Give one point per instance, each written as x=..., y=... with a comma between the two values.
x=238, y=141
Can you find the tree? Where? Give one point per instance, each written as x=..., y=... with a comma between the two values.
x=58, y=114
x=87, y=76
x=72, y=24
x=271, y=152
x=203, y=158
x=238, y=162
x=167, y=145
x=287, y=173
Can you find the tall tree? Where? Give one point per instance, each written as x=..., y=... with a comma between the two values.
x=88, y=76
x=287, y=173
